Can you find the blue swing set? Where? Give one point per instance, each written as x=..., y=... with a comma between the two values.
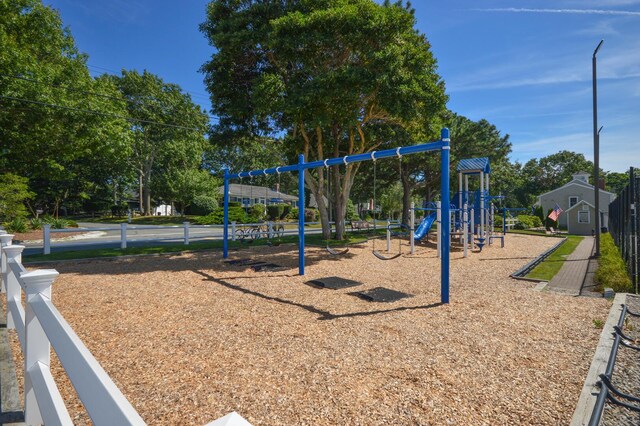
x=442, y=145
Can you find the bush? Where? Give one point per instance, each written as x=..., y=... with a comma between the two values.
x=257, y=213
x=121, y=209
x=203, y=205
x=286, y=208
x=36, y=223
x=17, y=225
x=60, y=223
x=236, y=214
x=275, y=211
x=310, y=215
x=528, y=221
x=293, y=214
x=497, y=221
x=235, y=204
x=352, y=214
x=612, y=271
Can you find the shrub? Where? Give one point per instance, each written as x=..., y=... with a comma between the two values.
x=352, y=214
x=17, y=225
x=286, y=208
x=59, y=223
x=275, y=211
x=236, y=214
x=257, y=213
x=203, y=205
x=528, y=221
x=612, y=271
x=293, y=214
x=235, y=204
x=497, y=221
x=121, y=209
x=310, y=215
x=36, y=223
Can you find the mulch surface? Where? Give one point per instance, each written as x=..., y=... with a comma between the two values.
x=188, y=338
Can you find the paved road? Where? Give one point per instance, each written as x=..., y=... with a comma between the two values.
x=140, y=236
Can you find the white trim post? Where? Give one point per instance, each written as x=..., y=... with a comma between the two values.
x=123, y=235
x=186, y=233
x=12, y=253
x=5, y=240
x=438, y=225
x=270, y=229
x=37, y=345
x=412, y=217
x=460, y=195
x=46, y=238
x=233, y=231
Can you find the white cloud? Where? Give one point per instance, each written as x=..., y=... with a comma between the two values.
x=563, y=11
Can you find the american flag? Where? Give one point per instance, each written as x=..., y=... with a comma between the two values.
x=555, y=213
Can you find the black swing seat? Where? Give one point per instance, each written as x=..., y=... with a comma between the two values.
x=383, y=257
x=336, y=252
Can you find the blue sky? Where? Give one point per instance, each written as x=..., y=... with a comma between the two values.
x=523, y=65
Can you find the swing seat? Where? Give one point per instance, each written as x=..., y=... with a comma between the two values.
x=336, y=252
x=383, y=257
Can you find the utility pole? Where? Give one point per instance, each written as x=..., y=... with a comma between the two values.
x=596, y=150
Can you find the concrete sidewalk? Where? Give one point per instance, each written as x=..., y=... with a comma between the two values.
x=571, y=276
x=10, y=405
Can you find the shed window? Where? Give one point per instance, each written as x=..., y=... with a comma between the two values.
x=573, y=201
x=583, y=217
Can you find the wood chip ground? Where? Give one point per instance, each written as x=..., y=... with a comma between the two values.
x=189, y=339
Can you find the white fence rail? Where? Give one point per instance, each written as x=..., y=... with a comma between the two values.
x=40, y=326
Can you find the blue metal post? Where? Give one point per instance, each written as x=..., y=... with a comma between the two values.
x=225, y=231
x=301, y=171
x=445, y=217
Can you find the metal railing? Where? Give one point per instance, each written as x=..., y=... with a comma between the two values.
x=624, y=223
x=522, y=272
x=608, y=392
x=40, y=327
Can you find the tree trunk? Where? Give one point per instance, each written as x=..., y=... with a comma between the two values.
x=146, y=193
x=317, y=187
x=407, y=188
x=140, y=195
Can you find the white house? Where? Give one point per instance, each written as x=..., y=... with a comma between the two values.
x=570, y=194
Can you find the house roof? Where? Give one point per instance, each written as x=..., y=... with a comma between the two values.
x=247, y=191
x=574, y=182
x=578, y=203
x=474, y=165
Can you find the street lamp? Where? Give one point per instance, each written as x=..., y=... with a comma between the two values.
x=596, y=150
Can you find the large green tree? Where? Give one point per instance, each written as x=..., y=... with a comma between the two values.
x=324, y=71
x=48, y=131
x=167, y=131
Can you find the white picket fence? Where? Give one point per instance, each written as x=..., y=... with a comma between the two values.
x=40, y=326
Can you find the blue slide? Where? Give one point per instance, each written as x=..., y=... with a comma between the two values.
x=424, y=227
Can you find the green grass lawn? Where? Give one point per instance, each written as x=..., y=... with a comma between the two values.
x=552, y=264
x=310, y=240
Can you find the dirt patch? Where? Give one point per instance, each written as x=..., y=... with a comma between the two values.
x=33, y=236
x=189, y=339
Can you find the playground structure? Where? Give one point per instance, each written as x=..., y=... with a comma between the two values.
x=471, y=213
x=441, y=145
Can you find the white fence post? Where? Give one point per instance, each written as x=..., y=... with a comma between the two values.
x=473, y=230
x=388, y=236
x=46, y=238
x=11, y=253
x=233, y=231
x=186, y=233
x=465, y=229
x=37, y=346
x=270, y=229
x=5, y=240
x=123, y=235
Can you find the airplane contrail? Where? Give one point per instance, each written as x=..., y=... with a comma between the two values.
x=572, y=11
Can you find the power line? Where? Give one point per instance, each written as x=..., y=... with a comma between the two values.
x=104, y=114
x=86, y=92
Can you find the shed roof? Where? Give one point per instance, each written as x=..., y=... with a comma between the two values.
x=474, y=165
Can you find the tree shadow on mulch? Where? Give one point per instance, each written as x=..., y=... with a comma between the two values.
x=323, y=314
x=285, y=255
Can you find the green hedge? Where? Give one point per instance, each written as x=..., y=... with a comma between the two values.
x=277, y=211
x=203, y=205
x=612, y=271
x=236, y=214
x=528, y=221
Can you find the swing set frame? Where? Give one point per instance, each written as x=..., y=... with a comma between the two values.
x=442, y=145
